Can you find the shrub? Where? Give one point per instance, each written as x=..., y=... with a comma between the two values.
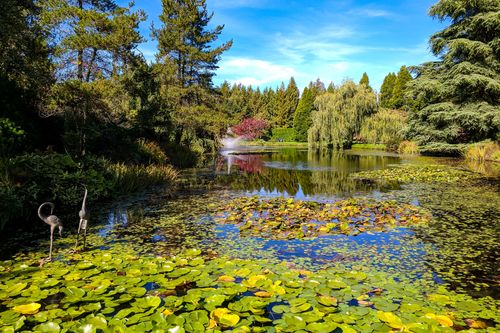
x=151, y=152
x=483, y=151
x=284, y=134
x=408, y=148
x=443, y=149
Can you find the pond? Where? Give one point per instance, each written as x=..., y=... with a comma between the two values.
x=278, y=240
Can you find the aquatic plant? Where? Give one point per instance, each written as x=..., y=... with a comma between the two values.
x=119, y=291
x=281, y=218
x=414, y=173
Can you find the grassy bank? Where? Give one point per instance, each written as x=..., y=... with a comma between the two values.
x=375, y=146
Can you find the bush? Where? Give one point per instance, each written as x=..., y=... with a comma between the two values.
x=443, y=149
x=483, y=151
x=408, y=148
x=128, y=179
x=284, y=134
x=151, y=152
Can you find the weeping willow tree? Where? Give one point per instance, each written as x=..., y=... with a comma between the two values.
x=340, y=115
x=457, y=99
x=386, y=126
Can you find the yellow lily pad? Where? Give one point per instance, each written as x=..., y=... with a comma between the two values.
x=27, y=309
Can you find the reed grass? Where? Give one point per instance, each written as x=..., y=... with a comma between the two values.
x=132, y=178
x=483, y=151
x=408, y=148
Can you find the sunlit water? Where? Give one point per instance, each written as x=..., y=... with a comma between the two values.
x=155, y=222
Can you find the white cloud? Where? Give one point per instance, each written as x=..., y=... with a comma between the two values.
x=253, y=72
x=371, y=12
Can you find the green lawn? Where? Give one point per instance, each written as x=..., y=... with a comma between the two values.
x=274, y=144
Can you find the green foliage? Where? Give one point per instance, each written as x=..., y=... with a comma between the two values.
x=387, y=89
x=398, y=98
x=365, y=81
x=340, y=115
x=386, y=126
x=408, y=148
x=302, y=120
x=11, y=137
x=456, y=99
x=443, y=149
x=284, y=134
x=31, y=179
x=153, y=153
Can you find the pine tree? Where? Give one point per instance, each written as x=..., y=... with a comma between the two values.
x=185, y=45
x=457, y=99
x=366, y=81
x=386, y=90
x=398, y=92
x=302, y=119
x=93, y=43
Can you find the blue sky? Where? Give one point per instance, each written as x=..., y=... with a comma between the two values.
x=330, y=39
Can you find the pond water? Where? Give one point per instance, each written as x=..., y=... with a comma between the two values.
x=268, y=240
x=457, y=248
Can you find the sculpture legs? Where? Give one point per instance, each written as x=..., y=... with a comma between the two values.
x=82, y=226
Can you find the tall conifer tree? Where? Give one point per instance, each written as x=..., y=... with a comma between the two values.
x=457, y=99
x=398, y=92
x=386, y=90
x=188, y=59
x=302, y=119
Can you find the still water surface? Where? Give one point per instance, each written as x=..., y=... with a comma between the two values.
x=457, y=248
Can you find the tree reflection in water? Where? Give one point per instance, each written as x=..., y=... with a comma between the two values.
x=301, y=173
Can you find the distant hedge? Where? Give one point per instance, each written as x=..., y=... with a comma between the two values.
x=284, y=134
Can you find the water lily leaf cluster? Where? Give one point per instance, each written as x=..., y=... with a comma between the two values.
x=289, y=218
x=416, y=173
x=118, y=290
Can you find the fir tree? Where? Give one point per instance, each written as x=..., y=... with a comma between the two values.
x=457, y=99
x=291, y=99
x=398, y=92
x=386, y=90
x=331, y=88
x=302, y=119
x=365, y=81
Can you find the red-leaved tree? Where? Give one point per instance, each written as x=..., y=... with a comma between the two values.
x=250, y=128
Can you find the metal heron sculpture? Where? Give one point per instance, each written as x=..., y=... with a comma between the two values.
x=84, y=217
x=53, y=221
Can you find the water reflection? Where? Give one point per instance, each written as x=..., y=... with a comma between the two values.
x=300, y=173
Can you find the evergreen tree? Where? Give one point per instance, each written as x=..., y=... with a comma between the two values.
x=457, y=99
x=317, y=88
x=189, y=60
x=302, y=119
x=331, y=88
x=366, y=81
x=93, y=42
x=25, y=76
x=387, y=89
x=398, y=92
x=340, y=115
x=292, y=94
x=281, y=108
